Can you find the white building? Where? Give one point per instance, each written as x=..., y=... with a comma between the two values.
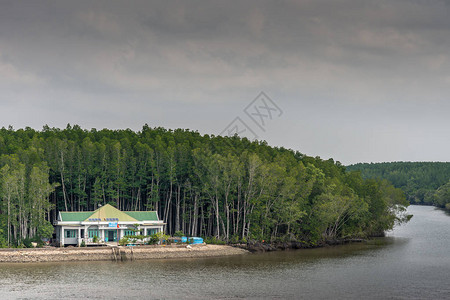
x=107, y=223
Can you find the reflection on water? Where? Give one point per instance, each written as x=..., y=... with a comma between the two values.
x=412, y=262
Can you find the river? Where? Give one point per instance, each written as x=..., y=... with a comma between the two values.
x=412, y=262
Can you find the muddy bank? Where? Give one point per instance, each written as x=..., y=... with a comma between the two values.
x=268, y=247
x=115, y=253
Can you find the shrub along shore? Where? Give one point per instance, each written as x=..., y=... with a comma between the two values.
x=50, y=254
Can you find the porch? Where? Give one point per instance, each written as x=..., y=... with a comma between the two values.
x=98, y=235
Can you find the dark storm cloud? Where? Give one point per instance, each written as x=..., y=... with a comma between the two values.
x=352, y=75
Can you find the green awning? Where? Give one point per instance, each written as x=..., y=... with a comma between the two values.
x=75, y=216
x=143, y=215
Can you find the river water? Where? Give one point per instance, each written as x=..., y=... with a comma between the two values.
x=413, y=262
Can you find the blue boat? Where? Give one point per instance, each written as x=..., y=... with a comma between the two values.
x=196, y=240
x=192, y=240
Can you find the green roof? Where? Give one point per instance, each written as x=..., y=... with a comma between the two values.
x=109, y=211
x=75, y=216
x=143, y=215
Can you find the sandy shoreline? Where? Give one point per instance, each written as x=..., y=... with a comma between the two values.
x=117, y=253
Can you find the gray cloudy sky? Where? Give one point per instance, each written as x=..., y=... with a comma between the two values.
x=359, y=81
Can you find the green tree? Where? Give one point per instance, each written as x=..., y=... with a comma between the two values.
x=442, y=195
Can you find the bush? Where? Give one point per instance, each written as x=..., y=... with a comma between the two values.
x=131, y=238
x=162, y=238
x=3, y=242
x=234, y=239
x=123, y=241
x=27, y=242
x=139, y=237
x=95, y=239
x=214, y=241
x=45, y=230
x=153, y=240
x=83, y=244
x=134, y=238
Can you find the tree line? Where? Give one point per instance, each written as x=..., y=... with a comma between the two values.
x=229, y=188
x=423, y=182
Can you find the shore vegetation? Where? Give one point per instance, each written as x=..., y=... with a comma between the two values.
x=422, y=182
x=221, y=188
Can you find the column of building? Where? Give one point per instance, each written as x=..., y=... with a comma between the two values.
x=62, y=236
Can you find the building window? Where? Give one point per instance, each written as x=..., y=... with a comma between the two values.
x=129, y=232
x=151, y=231
x=70, y=234
x=93, y=232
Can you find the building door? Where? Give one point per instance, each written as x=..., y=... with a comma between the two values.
x=111, y=236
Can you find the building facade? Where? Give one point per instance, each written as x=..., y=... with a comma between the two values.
x=107, y=224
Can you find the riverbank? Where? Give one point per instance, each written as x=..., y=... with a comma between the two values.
x=256, y=246
x=116, y=253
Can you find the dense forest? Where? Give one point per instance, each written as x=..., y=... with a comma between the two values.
x=422, y=182
x=229, y=188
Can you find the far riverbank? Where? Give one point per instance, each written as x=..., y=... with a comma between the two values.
x=256, y=246
x=116, y=253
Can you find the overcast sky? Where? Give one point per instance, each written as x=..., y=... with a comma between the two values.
x=358, y=81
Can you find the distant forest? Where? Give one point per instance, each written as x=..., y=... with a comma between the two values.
x=228, y=188
x=422, y=182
